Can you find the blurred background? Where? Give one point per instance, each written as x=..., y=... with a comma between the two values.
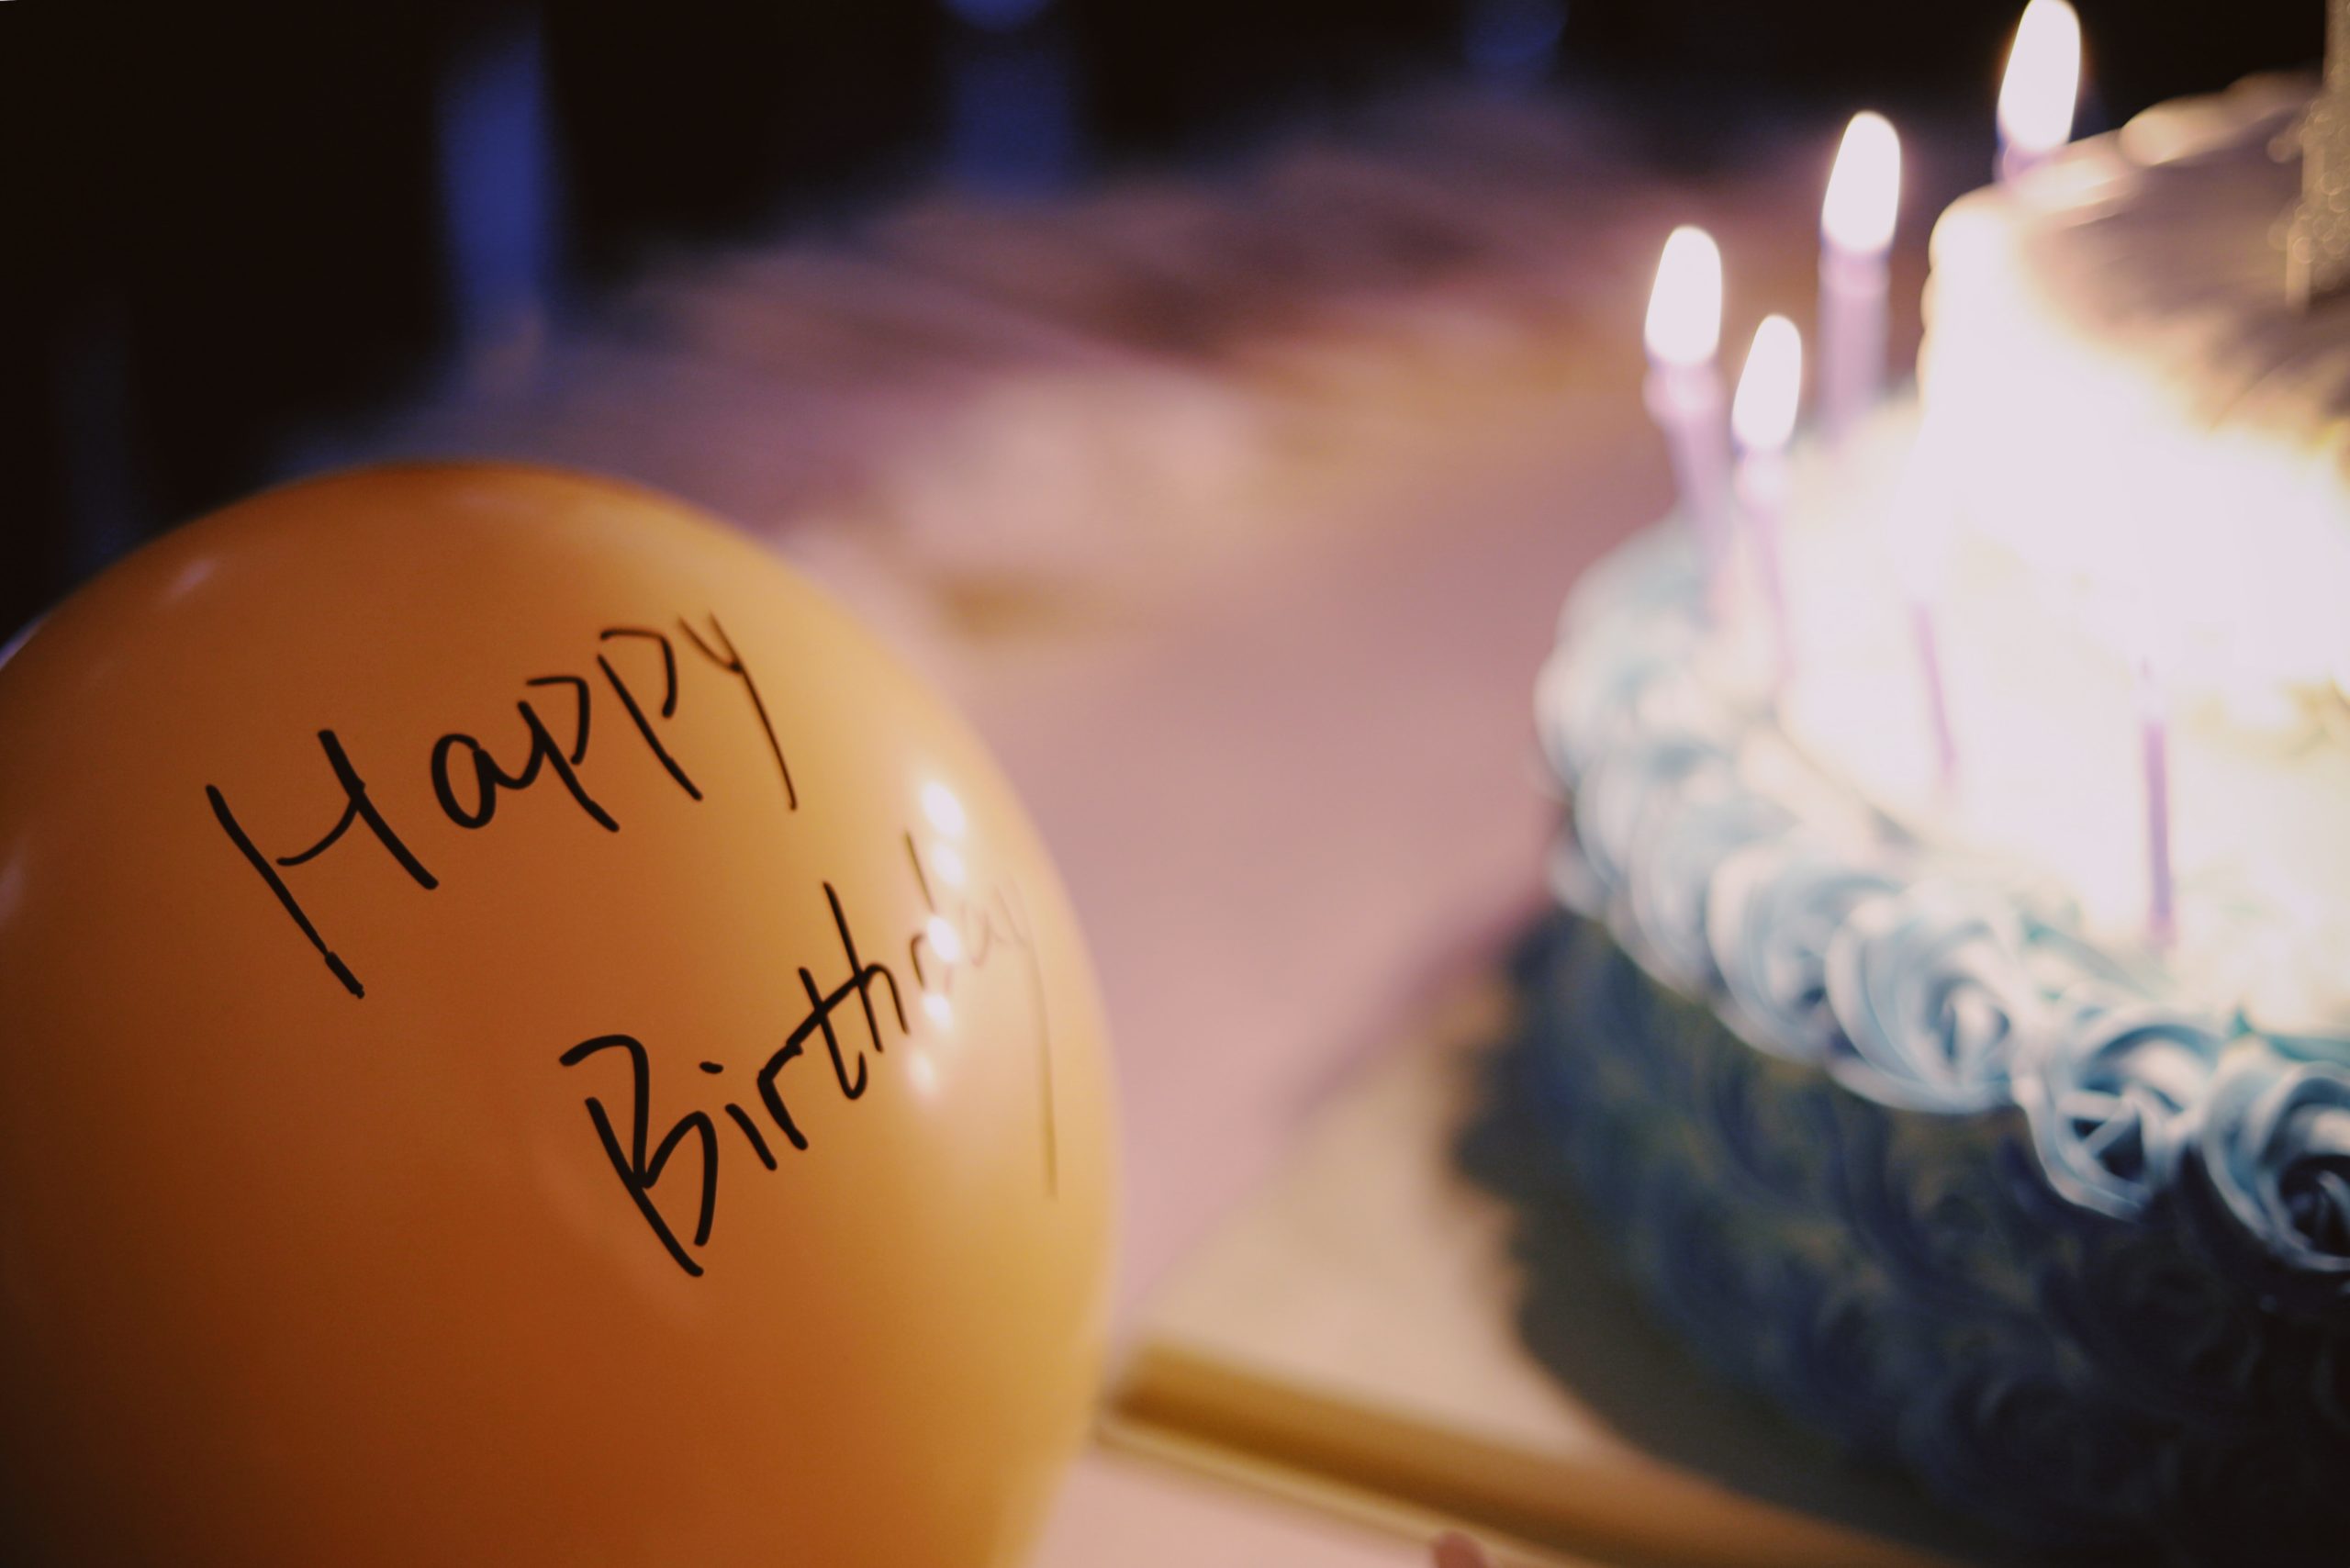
x=240, y=228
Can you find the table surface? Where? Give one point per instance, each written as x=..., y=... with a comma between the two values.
x=1237, y=513
x=1316, y=868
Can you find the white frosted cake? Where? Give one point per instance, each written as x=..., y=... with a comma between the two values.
x=2141, y=409
x=1903, y=1108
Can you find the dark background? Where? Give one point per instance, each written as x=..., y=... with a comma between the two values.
x=227, y=223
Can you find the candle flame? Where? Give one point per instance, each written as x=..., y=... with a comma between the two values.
x=1763, y=415
x=2044, y=79
x=1864, y=187
x=1685, y=326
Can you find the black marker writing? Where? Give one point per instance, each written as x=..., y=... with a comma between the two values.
x=638, y=1172
x=357, y=807
x=978, y=929
x=731, y=663
x=878, y=1016
x=470, y=781
x=668, y=698
x=489, y=779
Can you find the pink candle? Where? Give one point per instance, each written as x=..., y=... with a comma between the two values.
x=2154, y=751
x=2042, y=84
x=1763, y=418
x=1921, y=522
x=1684, y=391
x=1929, y=669
x=1855, y=236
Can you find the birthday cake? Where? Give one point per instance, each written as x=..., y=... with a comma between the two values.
x=1950, y=1012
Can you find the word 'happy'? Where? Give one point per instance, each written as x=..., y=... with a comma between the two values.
x=469, y=780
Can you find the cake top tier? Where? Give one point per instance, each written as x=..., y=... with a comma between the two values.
x=2129, y=403
x=2162, y=243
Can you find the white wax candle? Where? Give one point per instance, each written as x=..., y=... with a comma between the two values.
x=2041, y=86
x=1685, y=390
x=1856, y=235
x=1764, y=420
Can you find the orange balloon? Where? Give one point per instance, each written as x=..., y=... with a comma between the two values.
x=528, y=1039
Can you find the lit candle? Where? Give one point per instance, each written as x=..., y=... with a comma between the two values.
x=2040, y=89
x=1855, y=234
x=1685, y=390
x=2153, y=752
x=1762, y=416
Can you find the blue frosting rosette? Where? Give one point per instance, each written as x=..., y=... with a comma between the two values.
x=1671, y=873
x=1775, y=907
x=1929, y=988
x=2275, y=1149
x=2115, y=1095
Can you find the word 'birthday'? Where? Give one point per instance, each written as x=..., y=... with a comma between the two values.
x=470, y=776
x=865, y=1008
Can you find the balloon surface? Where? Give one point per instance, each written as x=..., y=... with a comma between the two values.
x=525, y=1038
